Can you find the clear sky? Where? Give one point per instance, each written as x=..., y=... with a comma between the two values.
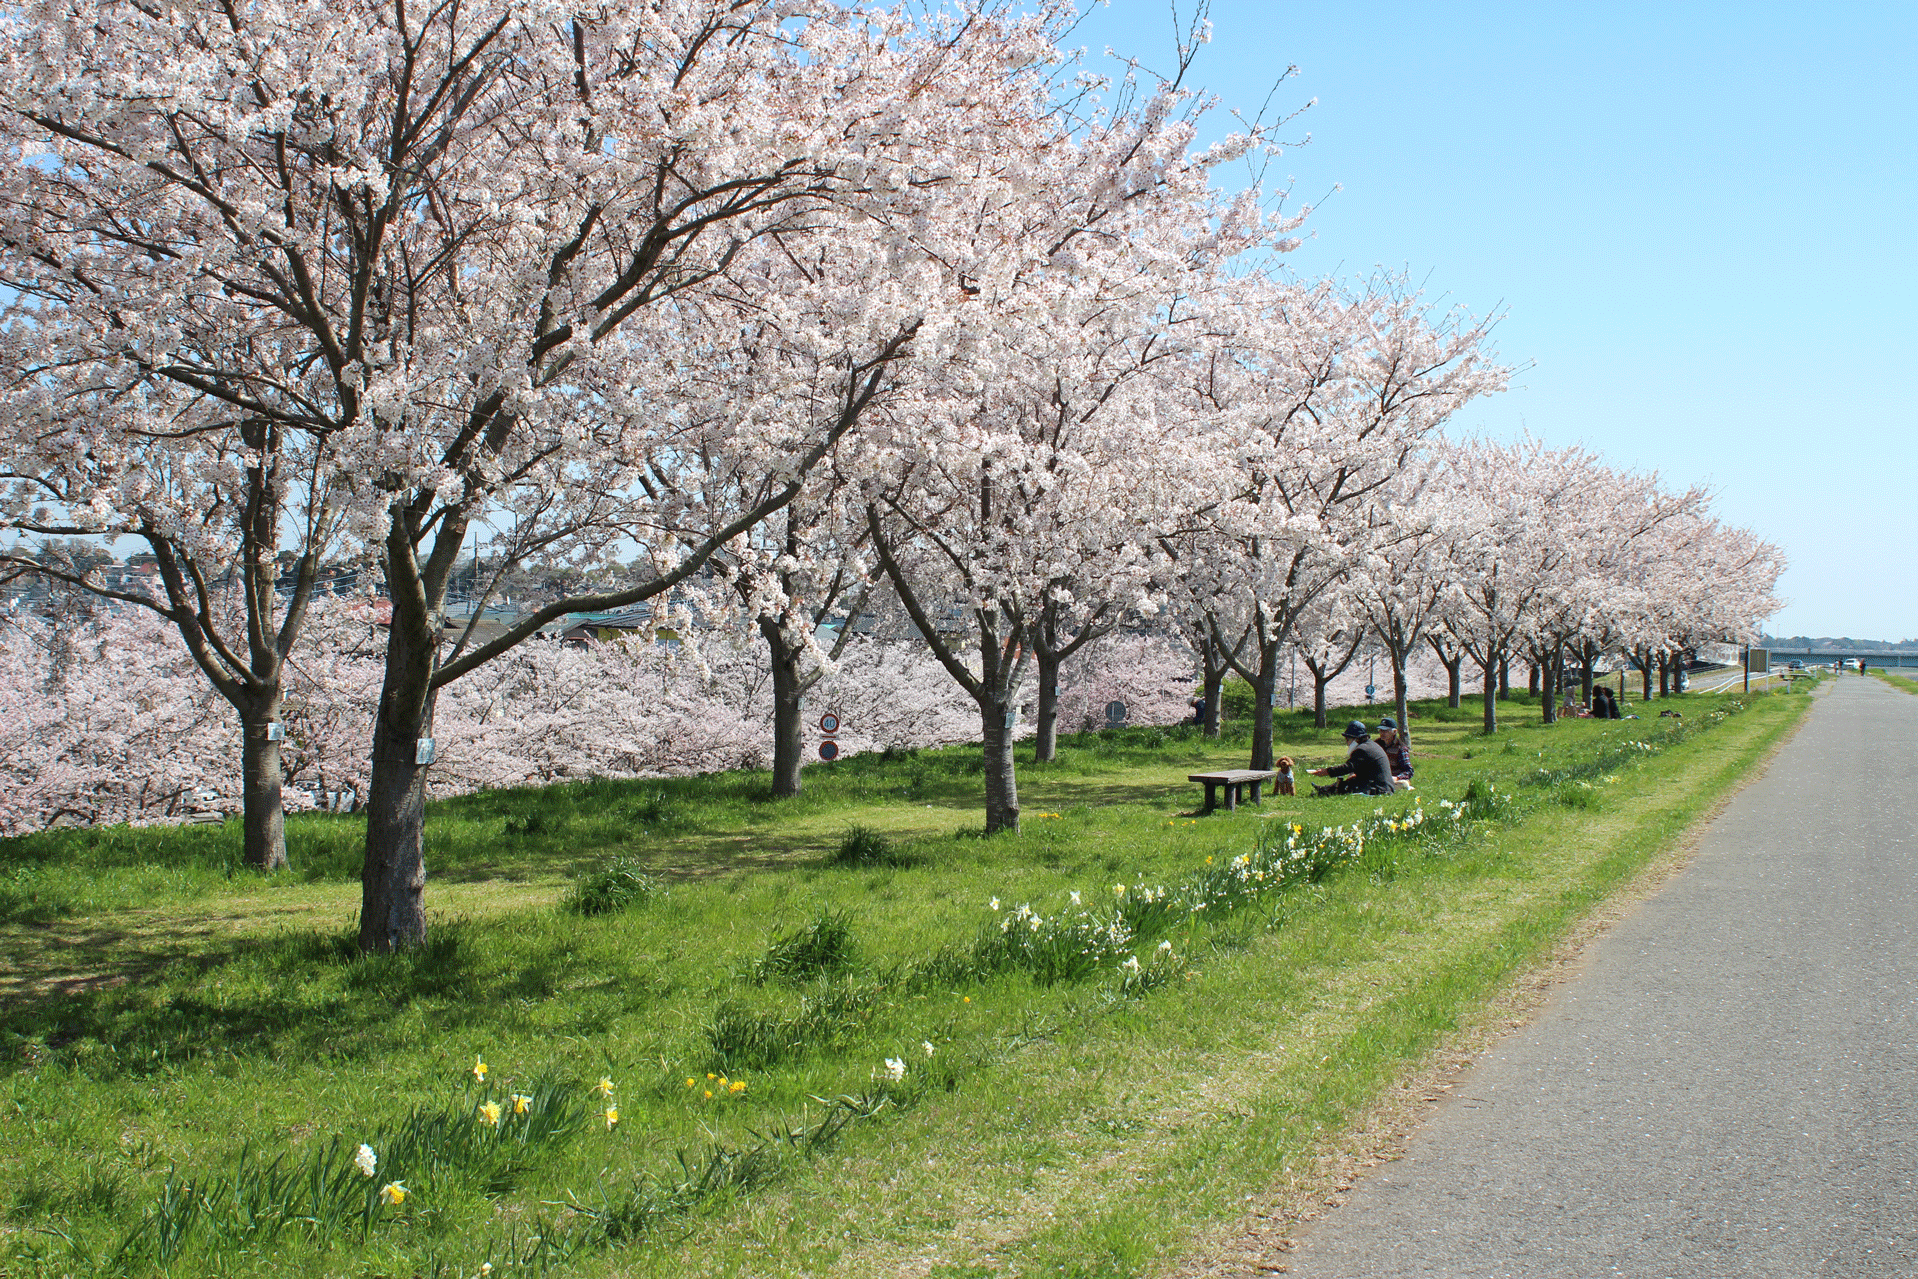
x=1700, y=217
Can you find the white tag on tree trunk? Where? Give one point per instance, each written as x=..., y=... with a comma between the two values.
x=276, y=731
x=423, y=751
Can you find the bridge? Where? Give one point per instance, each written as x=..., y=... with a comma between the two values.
x=1826, y=656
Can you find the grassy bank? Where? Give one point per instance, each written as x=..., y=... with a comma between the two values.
x=173, y=1029
x=1903, y=683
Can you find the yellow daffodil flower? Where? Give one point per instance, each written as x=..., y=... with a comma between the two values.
x=612, y=1117
x=605, y=1085
x=393, y=1193
x=479, y=1069
x=489, y=1111
x=521, y=1102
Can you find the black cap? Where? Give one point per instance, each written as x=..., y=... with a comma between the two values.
x=1357, y=728
x=1387, y=722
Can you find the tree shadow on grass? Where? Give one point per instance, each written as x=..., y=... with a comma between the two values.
x=296, y=993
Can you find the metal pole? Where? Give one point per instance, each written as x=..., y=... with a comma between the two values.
x=1748, y=668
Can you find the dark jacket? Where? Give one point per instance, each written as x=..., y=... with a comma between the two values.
x=1370, y=771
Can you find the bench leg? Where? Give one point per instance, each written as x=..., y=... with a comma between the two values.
x=1231, y=796
x=1255, y=791
x=1210, y=802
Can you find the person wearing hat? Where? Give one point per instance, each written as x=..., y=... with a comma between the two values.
x=1366, y=771
x=1398, y=751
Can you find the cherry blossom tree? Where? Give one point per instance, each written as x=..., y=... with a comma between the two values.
x=1317, y=401
x=102, y=720
x=222, y=503
x=1401, y=585
x=459, y=251
x=1507, y=503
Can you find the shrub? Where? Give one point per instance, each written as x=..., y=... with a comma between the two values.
x=824, y=946
x=617, y=885
x=863, y=846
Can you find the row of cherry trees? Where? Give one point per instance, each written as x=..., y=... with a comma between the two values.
x=1493, y=553
x=799, y=301
x=103, y=719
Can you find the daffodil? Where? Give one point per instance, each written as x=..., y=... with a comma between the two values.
x=365, y=1160
x=612, y=1117
x=489, y=1111
x=736, y=1087
x=605, y=1086
x=927, y=1045
x=393, y=1193
x=521, y=1103
x=893, y=1071
x=709, y=1094
x=479, y=1069
x=691, y=1082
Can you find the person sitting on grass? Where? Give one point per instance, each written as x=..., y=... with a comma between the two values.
x=1365, y=771
x=1398, y=751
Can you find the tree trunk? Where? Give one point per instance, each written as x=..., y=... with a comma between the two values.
x=1644, y=661
x=1589, y=653
x=1664, y=674
x=1262, y=752
x=1532, y=681
x=1548, y=690
x=1454, y=691
x=1399, y=707
x=1046, y=745
x=1214, y=694
x=1002, y=783
x=1319, y=683
x=788, y=708
x=393, y=878
x=263, y=812
x=1491, y=696
x=1504, y=678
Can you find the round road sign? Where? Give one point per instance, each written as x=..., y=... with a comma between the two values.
x=829, y=750
x=829, y=723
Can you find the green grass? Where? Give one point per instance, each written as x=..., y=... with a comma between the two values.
x=1901, y=682
x=180, y=1039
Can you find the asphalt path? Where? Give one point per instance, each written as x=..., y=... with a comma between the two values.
x=1728, y=1087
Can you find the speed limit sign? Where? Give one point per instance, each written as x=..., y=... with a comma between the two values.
x=829, y=723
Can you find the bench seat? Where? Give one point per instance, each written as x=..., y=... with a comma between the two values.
x=1233, y=781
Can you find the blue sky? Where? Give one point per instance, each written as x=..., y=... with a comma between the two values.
x=1700, y=218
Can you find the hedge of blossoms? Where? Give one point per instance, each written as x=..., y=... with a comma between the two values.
x=110, y=722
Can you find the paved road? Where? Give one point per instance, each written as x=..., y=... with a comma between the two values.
x=1730, y=1088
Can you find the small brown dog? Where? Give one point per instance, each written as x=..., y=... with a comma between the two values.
x=1284, y=783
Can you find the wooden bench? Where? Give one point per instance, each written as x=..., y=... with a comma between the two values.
x=1232, y=779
